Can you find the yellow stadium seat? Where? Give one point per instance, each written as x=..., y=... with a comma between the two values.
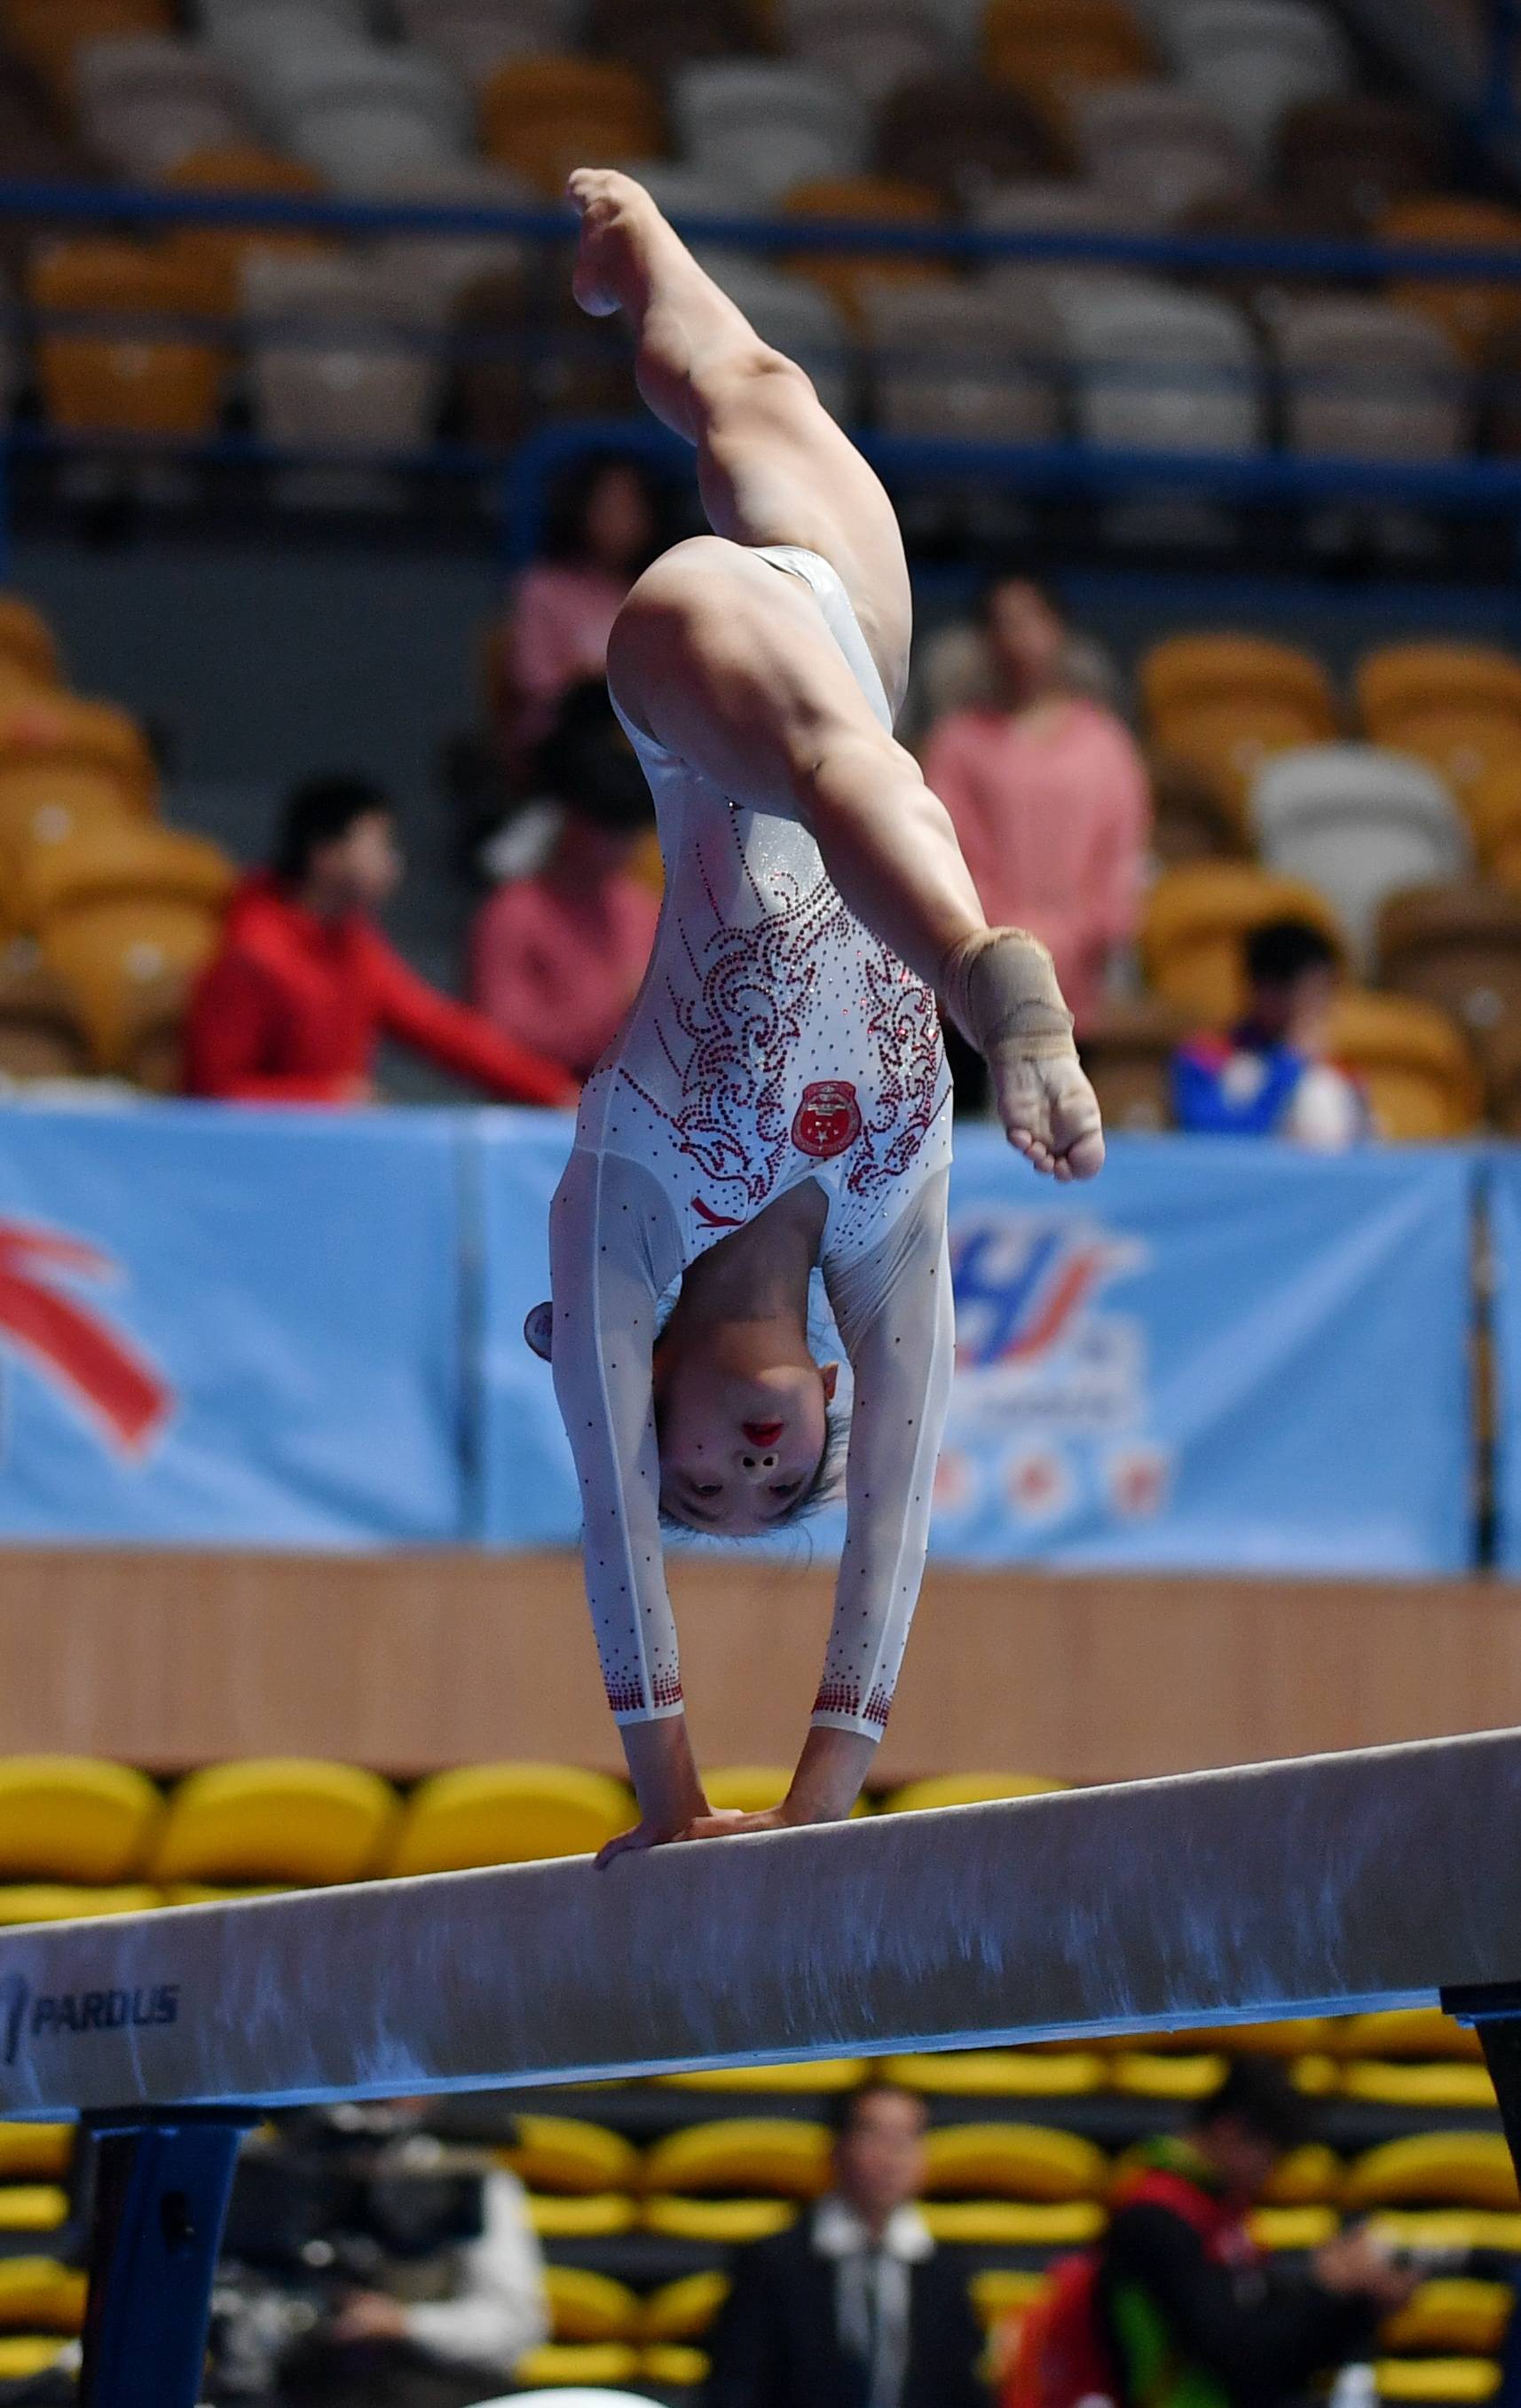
x=1407, y=2032
x=508, y=1814
x=777, y=2156
x=1002, y=2074
x=967, y=1789
x=718, y=2223
x=1434, y=2168
x=1195, y=919
x=1425, y=2087
x=594, y=2365
x=849, y=276
x=1448, y=2228
x=25, y=2355
x=1437, y=2381
x=1011, y=2224
x=40, y=1037
x=29, y=661
x=561, y=2152
x=1414, y=1062
x=128, y=367
x=754, y=1788
x=596, y=2217
x=588, y=2307
x=1311, y=2176
x=1024, y=2161
x=32, y=2207
x=1492, y=806
x=1000, y=2293
x=820, y=2074
x=74, y=1818
x=684, y=2310
x=36, y=2152
x=1454, y=2315
x=1254, y=2040
x=1187, y=673
x=543, y=116
x=1293, y=2228
x=1164, y=2073
x=61, y=1902
x=37, y=2294
x=276, y=1819
x=675, y=2365
x=1469, y=314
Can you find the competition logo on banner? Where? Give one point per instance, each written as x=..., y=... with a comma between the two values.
x=1051, y=1400
x=82, y=1355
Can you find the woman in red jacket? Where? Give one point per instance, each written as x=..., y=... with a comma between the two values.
x=303, y=985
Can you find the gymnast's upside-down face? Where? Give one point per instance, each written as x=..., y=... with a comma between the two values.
x=742, y=1438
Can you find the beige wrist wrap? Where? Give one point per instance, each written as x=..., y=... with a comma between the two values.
x=1000, y=989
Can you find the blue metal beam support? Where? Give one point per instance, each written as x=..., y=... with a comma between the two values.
x=161, y=2188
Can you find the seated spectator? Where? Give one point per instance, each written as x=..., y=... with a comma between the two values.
x=556, y=958
x=854, y=2307
x=291, y=1008
x=1048, y=795
x=367, y=2264
x=1177, y=2306
x=605, y=527
x=1269, y=1077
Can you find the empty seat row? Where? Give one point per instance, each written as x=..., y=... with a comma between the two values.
x=74, y=1820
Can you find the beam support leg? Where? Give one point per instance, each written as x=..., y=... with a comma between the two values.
x=161, y=2187
x=1496, y=2015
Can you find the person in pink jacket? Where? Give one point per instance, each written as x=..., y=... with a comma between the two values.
x=562, y=952
x=1048, y=794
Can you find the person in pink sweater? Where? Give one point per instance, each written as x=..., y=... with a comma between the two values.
x=562, y=952
x=1048, y=795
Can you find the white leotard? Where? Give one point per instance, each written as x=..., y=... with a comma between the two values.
x=774, y=1040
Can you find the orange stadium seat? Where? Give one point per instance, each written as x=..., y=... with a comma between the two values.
x=1191, y=818
x=1195, y=919
x=49, y=33
x=1459, y=946
x=849, y=277
x=240, y=168
x=1127, y=1050
x=29, y=661
x=1052, y=45
x=1458, y=706
x=1222, y=705
x=134, y=370
x=1468, y=313
x=543, y=116
x=1414, y=1062
x=126, y=916
x=40, y=1037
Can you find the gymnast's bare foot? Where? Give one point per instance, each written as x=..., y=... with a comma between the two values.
x=1002, y=990
x=614, y=212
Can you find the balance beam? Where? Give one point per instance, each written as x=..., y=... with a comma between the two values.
x=1386, y=1878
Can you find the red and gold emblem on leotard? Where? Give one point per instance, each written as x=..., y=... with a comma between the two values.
x=827, y=1119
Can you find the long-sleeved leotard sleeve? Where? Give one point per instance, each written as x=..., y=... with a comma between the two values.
x=895, y=1316
x=614, y=1250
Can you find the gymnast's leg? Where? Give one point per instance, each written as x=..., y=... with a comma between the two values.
x=732, y=667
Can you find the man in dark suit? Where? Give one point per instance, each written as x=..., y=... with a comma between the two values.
x=853, y=2307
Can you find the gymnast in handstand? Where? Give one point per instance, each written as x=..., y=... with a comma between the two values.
x=778, y=1099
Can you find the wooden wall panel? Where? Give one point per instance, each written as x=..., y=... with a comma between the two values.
x=409, y=1661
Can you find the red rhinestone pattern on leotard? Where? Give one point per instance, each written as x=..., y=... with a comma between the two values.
x=734, y=1039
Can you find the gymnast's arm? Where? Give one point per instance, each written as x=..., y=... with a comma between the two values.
x=895, y=1314
x=613, y=1249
